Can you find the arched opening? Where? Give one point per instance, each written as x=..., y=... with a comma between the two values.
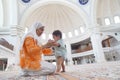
x=111, y=48
x=3, y=63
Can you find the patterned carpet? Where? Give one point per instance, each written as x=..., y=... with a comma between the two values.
x=28, y=78
x=16, y=76
x=48, y=77
x=101, y=71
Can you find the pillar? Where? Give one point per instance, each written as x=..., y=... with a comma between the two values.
x=97, y=47
x=1, y=13
x=69, y=53
x=10, y=13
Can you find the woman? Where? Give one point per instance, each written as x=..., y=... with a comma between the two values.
x=31, y=53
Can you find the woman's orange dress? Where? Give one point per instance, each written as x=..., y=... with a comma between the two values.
x=30, y=55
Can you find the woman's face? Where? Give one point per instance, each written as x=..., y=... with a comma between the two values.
x=39, y=31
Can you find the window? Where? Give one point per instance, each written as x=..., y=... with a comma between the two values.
x=43, y=36
x=63, y=35
x=82, y=29
x=70, y=34
x=76, y=32
x=99, y=21
x=26, y=30
x=117, y=19
x=107, y=21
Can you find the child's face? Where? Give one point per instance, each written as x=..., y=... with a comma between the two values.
x=56, y=37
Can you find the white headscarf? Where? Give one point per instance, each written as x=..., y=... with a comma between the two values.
x=32, y=33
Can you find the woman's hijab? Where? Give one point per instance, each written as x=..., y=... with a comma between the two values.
x=32, y=33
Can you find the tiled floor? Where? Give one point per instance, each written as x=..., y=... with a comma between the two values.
x=101, y=71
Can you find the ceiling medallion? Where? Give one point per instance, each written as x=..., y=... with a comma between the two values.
x=26, y=1
x=83, y=2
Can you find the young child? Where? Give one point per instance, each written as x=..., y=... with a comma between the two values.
x=60, y=50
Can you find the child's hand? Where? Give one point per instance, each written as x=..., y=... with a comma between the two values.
x=50, y=42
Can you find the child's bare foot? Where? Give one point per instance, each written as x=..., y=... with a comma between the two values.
x=62, y=71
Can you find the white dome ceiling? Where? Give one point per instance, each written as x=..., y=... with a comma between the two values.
x=108, y=8
x=56, y=16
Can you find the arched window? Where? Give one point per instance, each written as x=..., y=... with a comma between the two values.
x=107, y=21
x=26, y=30
x=70, y=34
x=63, y=35
x=76, y=32
x=82, y=29
x=99, y=21
x=117, y=19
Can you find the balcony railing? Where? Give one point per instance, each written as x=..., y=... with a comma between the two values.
x=8, y=54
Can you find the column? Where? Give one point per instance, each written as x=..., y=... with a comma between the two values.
x=97, y=47
x=11, y=19
x=1, y=13
x=10, y=12
x=16, y=34
x=69, y=53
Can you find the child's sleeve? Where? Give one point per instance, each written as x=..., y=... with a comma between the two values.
x=61, y=44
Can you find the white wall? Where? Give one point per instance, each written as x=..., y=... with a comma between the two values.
x=114, y=42
x=14, y=40
x=1, y=13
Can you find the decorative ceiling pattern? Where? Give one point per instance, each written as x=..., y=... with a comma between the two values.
x=107, y=8
x=56, y=16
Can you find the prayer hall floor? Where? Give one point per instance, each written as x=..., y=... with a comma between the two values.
x=96, y=71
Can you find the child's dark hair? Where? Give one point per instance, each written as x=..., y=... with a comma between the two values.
x=57, y=33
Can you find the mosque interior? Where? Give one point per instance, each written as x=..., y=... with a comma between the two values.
x=90, y=29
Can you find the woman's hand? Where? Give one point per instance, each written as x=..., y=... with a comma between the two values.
x=50, y=41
